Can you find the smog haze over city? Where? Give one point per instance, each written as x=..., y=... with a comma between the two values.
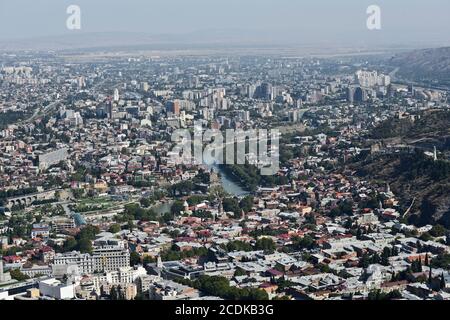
x=264, y=22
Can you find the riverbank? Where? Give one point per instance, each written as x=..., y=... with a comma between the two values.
x=229, y=183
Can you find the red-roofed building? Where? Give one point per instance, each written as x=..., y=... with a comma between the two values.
x=13, y=259
x=268, y=287
x=47, y=254
x=274, y=273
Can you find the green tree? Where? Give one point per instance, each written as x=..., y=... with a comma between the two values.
x=196, y=199
x=238, y=246
x=265, y=244
x=130, y=225
x=427, y=262
x=85, y=245
x=148, y=260
x=246, y=204
x=220, y=287
x=70, y=244
x=88, y=232
x=416, y=266
x=441, y=261
x=385, y=256
x=426, y=236
x=113, y=293
x=307, y=242
x=135, y=258
x=239, y=272
x=177, y=207
x=115, y=228
x=16, y=274
x=375, y=258
x=146, y=202
x=442, y=284
x=364, y=262
x=232, y=205
x=438, y=231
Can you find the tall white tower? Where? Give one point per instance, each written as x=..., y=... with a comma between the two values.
x=116, y=95
x=159, y=263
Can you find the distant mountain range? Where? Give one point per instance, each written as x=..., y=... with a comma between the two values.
x=71, y=41
x=77, y=41
x=213, y=39
x=431, y=65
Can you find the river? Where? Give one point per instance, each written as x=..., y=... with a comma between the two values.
x=228, y=185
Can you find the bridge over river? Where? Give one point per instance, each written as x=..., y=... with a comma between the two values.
x=28, y=199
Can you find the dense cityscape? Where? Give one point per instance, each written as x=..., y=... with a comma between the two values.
x=94, y=207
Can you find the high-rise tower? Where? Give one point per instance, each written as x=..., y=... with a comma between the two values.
x=116, y=95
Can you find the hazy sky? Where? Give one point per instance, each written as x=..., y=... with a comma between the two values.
x=303, y=20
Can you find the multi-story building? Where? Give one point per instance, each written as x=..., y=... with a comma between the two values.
x=40, y=230
x=57, y=290
x=110, y=257
x=84, y=261
x=170, y=290
x=173, y=107
x=103, y=259
x=51, y=158
x=62, y=224
x=119, y=276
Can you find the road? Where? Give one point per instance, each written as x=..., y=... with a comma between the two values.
x=40, y=112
